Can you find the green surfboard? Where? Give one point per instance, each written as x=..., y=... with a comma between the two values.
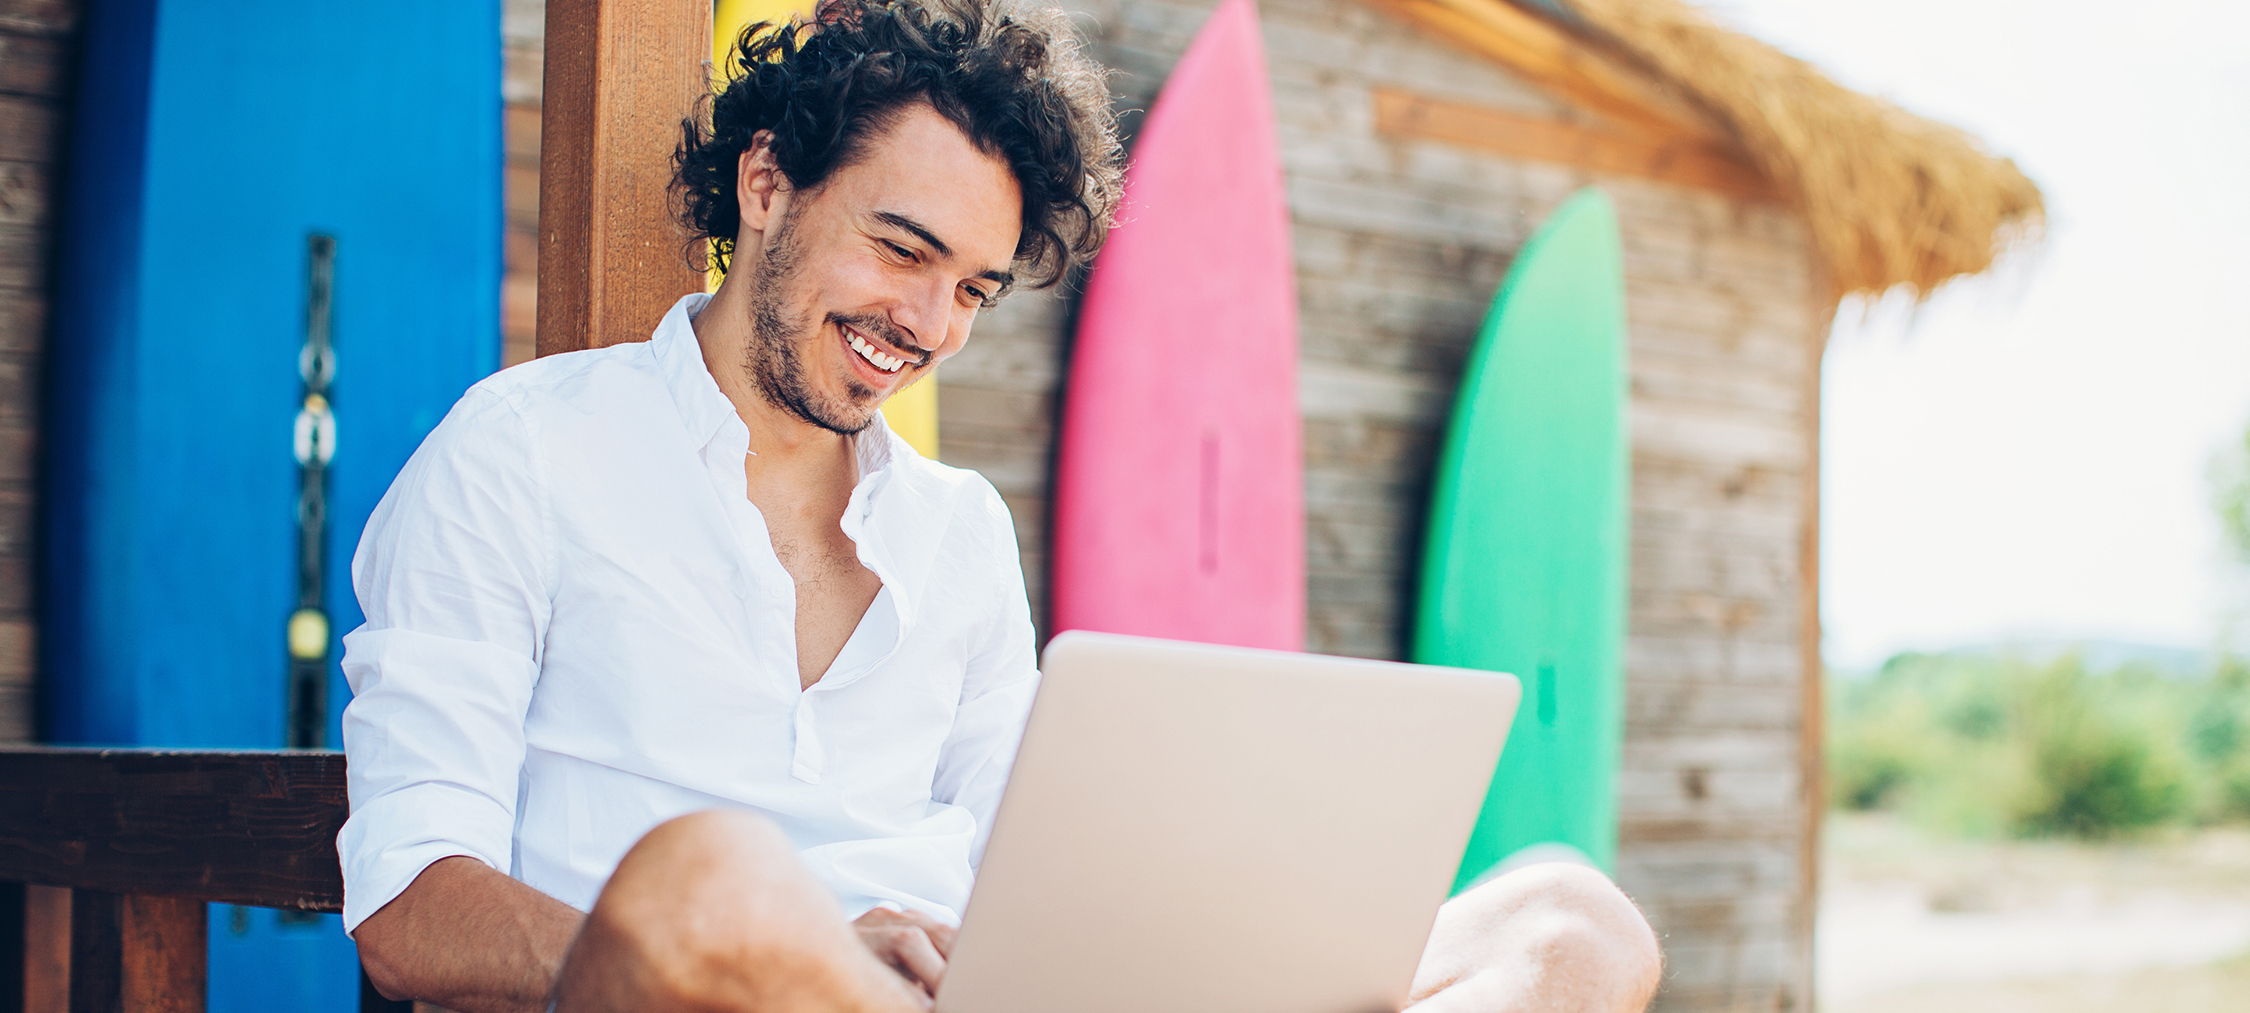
x=1525, y=567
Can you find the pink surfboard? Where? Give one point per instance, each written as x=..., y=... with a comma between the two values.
x=1179, y=488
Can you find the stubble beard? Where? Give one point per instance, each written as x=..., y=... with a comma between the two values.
x=775, y=367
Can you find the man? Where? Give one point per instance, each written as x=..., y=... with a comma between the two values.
x=686, y=685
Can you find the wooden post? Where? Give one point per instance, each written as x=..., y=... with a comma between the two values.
x=1812, y=742
x=136, y=954
x=621, y=74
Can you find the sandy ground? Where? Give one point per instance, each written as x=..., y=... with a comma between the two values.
x=1909, y=922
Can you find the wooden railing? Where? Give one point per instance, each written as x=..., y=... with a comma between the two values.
x=108, y=857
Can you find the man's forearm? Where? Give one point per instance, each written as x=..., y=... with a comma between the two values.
x=468, y=938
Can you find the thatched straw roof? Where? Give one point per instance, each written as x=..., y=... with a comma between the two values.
x=1892, y=199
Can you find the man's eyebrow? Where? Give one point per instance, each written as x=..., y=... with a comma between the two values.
x=1005, y=279
x=899, y=221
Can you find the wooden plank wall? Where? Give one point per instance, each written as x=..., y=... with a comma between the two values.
x=523, y=34
x=1400, y=246
x=35, y=76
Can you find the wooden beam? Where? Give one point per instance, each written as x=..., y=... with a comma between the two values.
x=1564, y=65
x=255, y=828
x=1679, y=159
x=131, y=954
x=620, y=75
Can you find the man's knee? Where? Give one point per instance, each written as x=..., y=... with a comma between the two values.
x=1555, y=886
x=714, y=843
x=1568, y=917
x=709, y=904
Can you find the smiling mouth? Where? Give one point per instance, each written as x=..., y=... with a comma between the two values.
x=879, y=359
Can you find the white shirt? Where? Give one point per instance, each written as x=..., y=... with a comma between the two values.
x=577, y=628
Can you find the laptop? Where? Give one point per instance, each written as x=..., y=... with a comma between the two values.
x=1200, y=829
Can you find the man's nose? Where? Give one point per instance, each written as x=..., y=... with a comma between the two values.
x=924, y=314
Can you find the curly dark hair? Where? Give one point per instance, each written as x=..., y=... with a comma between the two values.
x=1013, y=79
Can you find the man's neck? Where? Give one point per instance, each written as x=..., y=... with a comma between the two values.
x=778, y=437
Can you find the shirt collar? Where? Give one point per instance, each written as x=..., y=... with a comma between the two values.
x=679, y=357
x=704, y=409
x=887, y=505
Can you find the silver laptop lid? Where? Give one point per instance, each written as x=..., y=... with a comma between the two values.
x=1198, y=829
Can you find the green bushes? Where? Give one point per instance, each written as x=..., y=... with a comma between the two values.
x=1990, y=746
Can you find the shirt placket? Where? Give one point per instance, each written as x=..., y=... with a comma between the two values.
x=767, y=594
x=810, y=756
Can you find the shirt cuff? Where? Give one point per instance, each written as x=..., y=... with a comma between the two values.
x=389, y=841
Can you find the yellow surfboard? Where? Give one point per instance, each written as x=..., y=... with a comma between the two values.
x=911, y=413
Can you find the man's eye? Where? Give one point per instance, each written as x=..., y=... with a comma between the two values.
x=899, y=251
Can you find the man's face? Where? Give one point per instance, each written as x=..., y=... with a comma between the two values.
x=866, y=284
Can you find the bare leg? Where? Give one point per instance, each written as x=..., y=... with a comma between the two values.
x=713, y=912
x=1544, y=937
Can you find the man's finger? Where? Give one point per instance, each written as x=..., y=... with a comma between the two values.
x=911, y=951
x=941, y=935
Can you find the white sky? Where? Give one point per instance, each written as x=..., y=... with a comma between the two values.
x=2026, y=457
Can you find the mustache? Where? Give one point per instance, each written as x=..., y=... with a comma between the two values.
x=887, y=332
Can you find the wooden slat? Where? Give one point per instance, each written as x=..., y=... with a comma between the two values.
x=166, y=954
x=1679, y=159
x=136, y=954
x=255, y=828
x=1558, y=62
x=39, y=18
x=46, y=961
x=27, y=129
x=32, y=65
x=620, y=74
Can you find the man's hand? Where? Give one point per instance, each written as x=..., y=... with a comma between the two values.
x=912, y=943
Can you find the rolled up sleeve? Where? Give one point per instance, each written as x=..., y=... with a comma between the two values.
x=454, y=575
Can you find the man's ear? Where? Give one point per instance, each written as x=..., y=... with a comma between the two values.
x=756, y=179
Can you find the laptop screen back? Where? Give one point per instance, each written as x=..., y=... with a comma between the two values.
x=1200, y=829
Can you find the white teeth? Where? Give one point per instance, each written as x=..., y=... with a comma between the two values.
x=886, y=363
